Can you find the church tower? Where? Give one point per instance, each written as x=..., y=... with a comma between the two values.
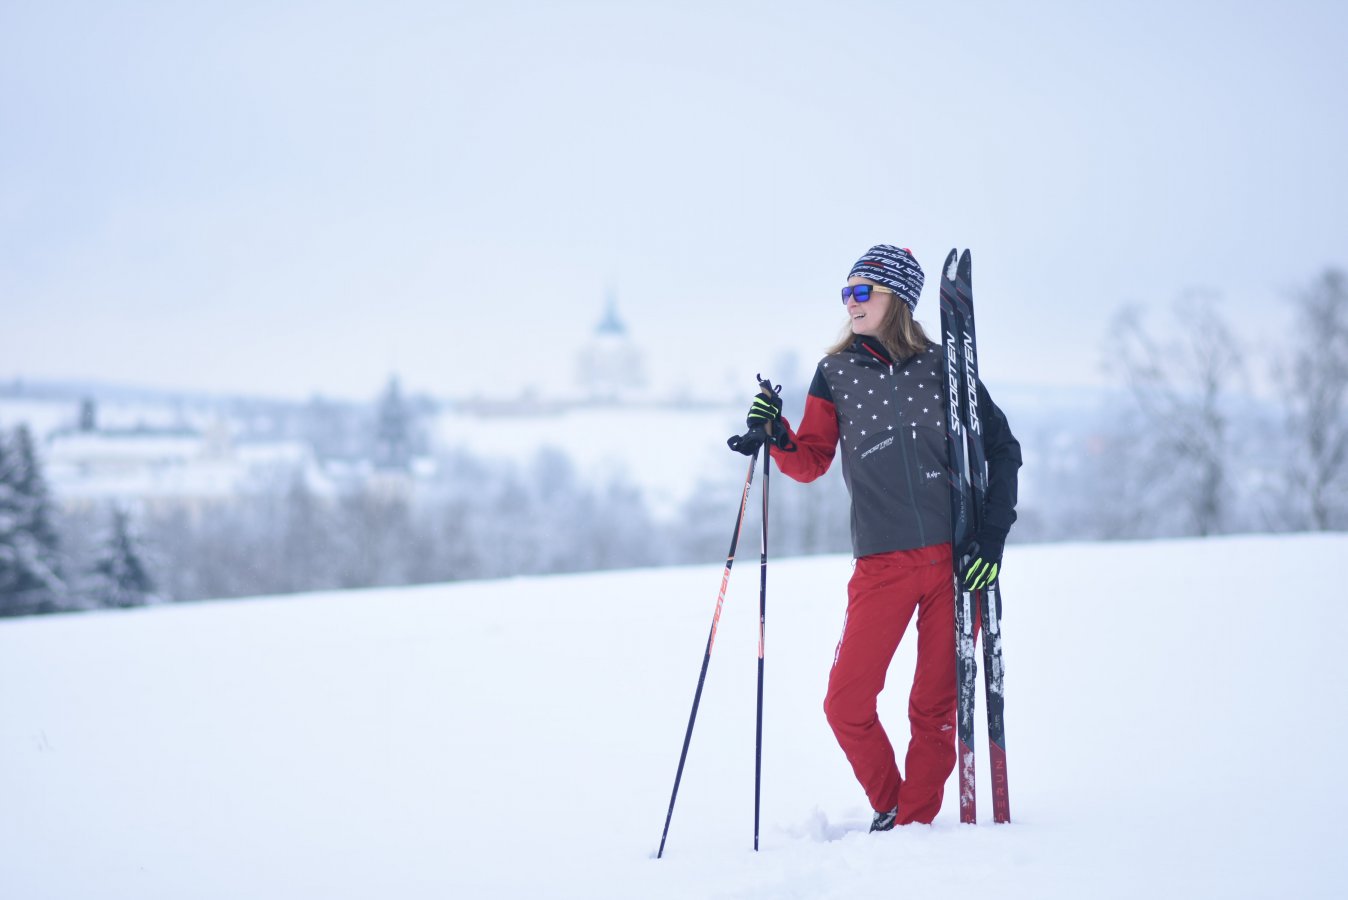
x=609, y=368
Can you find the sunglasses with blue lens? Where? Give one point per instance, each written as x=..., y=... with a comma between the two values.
x=862, y=292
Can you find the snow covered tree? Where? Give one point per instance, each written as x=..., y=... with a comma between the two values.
x=88, y=415
x=32, y=487
x=804, y=518
x=1315, y=382
x=1180, y=386
x=120, y=578
x=30, y=566
x=305, y=541
x=393, y=431
x=376, y=528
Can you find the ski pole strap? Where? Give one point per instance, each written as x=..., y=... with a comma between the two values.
x=749, y=442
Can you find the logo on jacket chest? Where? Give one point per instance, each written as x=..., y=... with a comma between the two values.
x=880, y=446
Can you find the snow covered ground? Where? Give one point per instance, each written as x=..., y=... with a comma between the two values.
x=1175, y=713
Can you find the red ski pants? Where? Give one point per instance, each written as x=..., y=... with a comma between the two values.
x=885, y=590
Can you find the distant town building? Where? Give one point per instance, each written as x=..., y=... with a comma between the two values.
x=610, y=367
x=166, y=466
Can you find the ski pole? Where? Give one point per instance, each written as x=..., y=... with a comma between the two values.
x=762, y=611
x=706, y=658
x=762, y=617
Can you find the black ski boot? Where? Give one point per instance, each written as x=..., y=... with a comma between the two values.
x=884, y=821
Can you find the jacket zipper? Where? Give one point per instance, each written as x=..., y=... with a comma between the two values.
x=907, y=464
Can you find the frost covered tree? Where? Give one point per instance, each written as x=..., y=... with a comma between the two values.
x=32, y=486
x=807, y=518
x=1180, y=386
x=30, y=559
x=120, y=578
x=1315, y=385
x=306, y=541
x=393, y=430
x=375, y=532
x=88, y=414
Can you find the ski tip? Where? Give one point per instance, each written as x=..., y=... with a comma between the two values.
x=949, y=267
x=966, y=262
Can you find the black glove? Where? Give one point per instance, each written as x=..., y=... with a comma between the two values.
x=765, y=415
x=980, y=560
x=766, y=409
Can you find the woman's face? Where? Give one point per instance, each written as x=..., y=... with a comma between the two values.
x=866, y=317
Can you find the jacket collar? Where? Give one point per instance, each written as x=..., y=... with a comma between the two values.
x=870, y=346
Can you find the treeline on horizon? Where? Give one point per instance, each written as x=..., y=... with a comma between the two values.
x=1178, y=459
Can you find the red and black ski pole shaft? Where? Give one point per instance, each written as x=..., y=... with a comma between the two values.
x=762, y=618
x=706, y=658
x=762, y=612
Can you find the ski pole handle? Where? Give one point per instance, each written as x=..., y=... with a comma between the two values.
x=774, y=393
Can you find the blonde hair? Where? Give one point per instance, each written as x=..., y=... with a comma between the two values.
x=900, y=334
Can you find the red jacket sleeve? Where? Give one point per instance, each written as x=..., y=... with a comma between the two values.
x=816, y=441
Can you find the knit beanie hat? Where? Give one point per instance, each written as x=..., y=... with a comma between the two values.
x=895, y=268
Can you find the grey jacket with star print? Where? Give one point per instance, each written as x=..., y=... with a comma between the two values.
x=889, y=420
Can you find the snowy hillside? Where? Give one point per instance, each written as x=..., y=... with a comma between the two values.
x=1174, y=716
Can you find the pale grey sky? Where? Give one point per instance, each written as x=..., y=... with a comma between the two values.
x=289, y=198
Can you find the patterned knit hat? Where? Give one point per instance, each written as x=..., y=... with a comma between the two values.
x=895, y=268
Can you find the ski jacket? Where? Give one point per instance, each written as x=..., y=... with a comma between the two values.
x=889, y=419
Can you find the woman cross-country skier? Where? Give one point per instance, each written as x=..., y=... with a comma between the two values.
x=880, y=395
